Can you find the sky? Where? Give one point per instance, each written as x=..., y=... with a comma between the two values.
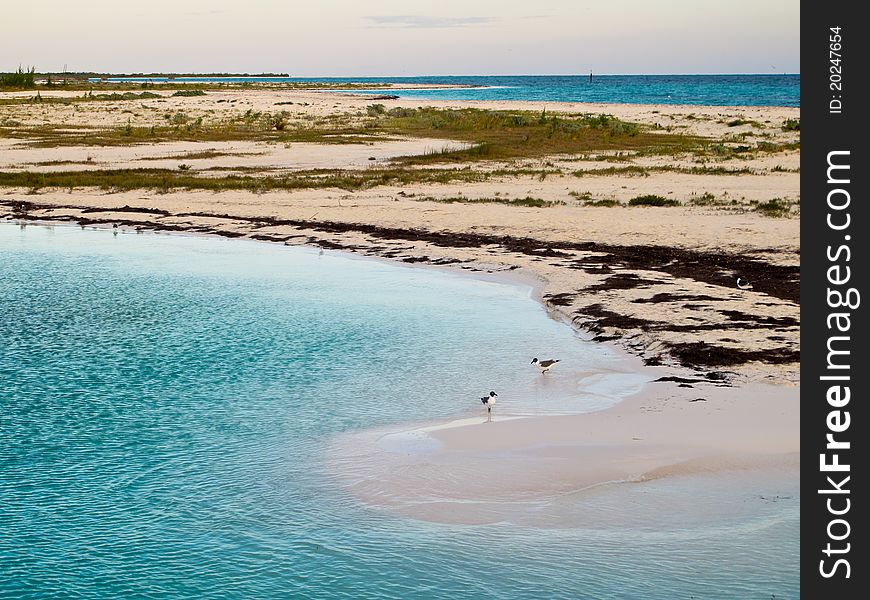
x=403, y=37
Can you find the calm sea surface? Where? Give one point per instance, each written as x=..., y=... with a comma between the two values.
x=715, y=90
x=167, y=404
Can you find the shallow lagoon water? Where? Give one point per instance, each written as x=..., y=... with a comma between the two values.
x=166, y=403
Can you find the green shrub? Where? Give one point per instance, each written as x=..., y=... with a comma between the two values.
x=773, y=208
x=652, y=200
x=18, y=79
x=189, y=93
x=606, y=202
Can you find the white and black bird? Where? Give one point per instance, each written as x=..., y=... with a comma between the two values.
x=489, y=402
x=544, y=365
x=743, y=284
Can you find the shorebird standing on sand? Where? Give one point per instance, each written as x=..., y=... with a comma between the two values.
x=743, y=284
x=544, y=365
x=489, y=402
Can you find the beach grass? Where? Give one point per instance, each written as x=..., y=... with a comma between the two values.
x=775, y=208
x=646, y=171
x=169, y=179
x=652, y=200
x=506, y=134
x=488, y=134
x=180, y=127
x=603, y=202
x=38, y=98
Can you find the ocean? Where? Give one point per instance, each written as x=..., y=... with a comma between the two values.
x=168, y=404
x=713, y=90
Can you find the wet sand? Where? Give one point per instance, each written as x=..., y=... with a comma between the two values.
x=531, y=469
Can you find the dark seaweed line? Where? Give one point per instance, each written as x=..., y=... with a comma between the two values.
x=719, y=269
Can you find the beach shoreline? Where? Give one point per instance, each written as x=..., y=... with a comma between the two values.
x=477, y=254
x=523, y=469
x=658, y=283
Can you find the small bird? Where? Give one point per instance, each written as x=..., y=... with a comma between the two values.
x=544, y=365
x=743, y=284
x=489, y=402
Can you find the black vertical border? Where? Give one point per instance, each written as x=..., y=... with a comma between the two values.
x=824, y=131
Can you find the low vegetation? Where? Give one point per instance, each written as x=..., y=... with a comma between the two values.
x=89, y=96
x=652, y=200
x=777, y=207
x=165, y=180
x=499, y=134
x=21, y=79
x=739, y=122
x=604, y=202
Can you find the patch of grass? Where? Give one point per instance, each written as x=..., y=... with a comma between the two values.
x=716, y=170
x=773, y=148
x=188, y=93
x=56, y=163
x=254, y=126
x=775, y=207
x=738, y=122
x=638, y=171
x=652, y=200
x=630, y=170
x=791, y=125
x=86, y=97
x=501, y=134
x=168, y=179
x=203, y=154
x=618, y=157
x=604, y=202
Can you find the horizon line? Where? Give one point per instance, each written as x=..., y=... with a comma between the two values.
x=291, y=76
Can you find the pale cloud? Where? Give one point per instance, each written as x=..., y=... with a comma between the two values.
x=426, y=22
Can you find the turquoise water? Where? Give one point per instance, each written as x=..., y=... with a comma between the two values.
x=166, y=404
x=714, y=90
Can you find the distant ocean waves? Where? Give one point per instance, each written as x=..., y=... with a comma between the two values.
x=714, y=90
